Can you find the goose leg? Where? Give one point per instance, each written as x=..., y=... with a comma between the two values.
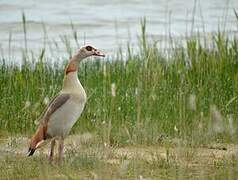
x=60, y=150
x=52, y=147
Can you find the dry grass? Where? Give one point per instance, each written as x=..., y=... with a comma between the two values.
x=149, y=116
x=86, y=158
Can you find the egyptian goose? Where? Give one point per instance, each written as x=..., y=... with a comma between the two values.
x=63, y=111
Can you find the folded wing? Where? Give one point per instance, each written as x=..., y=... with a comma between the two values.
x=55, y=104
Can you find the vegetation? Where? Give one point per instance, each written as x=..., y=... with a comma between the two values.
x=195, y=87
x=103, y=164
x=147, y=98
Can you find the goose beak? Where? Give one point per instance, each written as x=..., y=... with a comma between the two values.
x=98, y=53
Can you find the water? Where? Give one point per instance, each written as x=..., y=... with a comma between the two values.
x=108, y=23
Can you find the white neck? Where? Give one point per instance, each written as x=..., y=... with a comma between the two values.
x=71, y=82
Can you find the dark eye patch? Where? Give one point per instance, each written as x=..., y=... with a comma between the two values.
x=89, y=48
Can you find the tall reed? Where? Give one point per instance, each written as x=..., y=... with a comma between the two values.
x=153, y=95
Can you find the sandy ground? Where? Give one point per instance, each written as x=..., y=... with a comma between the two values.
x=80, y=143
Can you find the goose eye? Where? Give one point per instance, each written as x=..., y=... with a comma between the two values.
x=89, y=48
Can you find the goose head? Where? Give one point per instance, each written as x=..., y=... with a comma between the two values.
x=87, y=51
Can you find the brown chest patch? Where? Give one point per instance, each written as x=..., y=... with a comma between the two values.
x=71, y=67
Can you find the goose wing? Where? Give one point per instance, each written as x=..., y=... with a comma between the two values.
x=54, y=104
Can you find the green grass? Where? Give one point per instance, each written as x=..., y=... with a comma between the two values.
x=188, y=100
x=154, y=96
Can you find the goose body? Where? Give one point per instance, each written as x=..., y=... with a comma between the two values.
x=61, y=122
x=65, y=109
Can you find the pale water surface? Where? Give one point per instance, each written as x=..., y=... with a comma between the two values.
x=108, y=23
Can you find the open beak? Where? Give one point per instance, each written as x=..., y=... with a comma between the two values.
x=98, y=53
